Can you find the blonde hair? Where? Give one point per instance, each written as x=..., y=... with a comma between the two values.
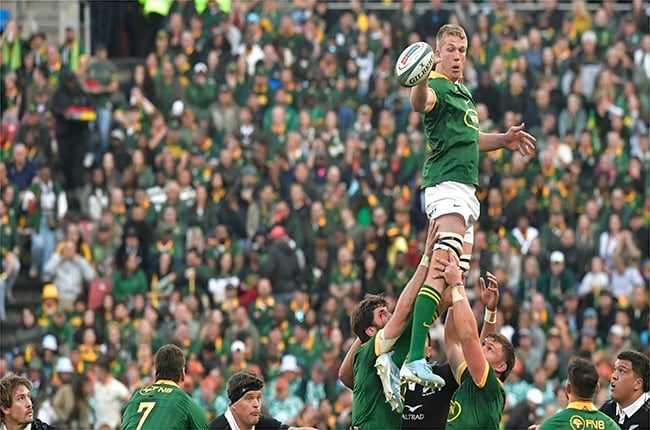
x=450, y=30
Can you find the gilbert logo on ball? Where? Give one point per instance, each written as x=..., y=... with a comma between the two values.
x=414, y=64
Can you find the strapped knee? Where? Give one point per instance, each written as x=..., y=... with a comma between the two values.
x=450, y=241
x=464, y=262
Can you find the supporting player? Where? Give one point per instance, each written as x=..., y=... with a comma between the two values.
x=379, y=332
x=425, y=408
x=450, y=172
x=479, y=367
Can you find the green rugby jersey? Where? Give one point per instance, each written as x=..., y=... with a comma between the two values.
x=476, y=406
x=163, y=405
x=580, y=416
x=369, y=408
x=451, y=132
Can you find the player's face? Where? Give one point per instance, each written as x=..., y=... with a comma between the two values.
x=380, y=317
x=625, y=382
x=451, y=54
x=20, y=413
x=247, y=409
x=493, y=352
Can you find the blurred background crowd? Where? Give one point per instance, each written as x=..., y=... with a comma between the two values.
x=253, y=170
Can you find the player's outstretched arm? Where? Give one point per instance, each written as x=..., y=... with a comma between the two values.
x=515, y=139
x=423, y=98
x=404, y=306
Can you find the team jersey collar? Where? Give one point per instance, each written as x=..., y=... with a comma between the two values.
x=581, y=406
x=167, y=382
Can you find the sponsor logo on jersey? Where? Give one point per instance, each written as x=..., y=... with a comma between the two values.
x=454, y=410
x=579, y=423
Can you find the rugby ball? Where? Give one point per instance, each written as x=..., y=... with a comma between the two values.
x=414, y=64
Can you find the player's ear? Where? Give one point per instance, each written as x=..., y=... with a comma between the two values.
x=370, y=331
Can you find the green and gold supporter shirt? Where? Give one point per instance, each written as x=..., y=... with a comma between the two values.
x=451, y=132
x=476, y=406
x=163, y=405
x=580, y=416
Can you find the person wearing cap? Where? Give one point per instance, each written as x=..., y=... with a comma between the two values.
x=202, y=89
x=16, y=408
x=555, y=281
x=629, y=405
x=581, y=388
x=64, y=400
x=244, y=413
x=164, y=404
x=450, y=172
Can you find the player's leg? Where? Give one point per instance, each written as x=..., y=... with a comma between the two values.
x=455, y=218
x=450, y=243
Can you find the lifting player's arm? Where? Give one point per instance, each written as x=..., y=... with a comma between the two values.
x=464, y=326
x=346, y=371
x=404, y=306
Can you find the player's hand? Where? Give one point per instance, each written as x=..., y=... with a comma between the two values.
x=432, y=237
x=448, y=269
x=516, y=139
x=489, y=291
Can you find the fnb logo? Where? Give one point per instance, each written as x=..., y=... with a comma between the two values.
x=579, y=423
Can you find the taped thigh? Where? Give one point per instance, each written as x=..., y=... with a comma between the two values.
x=450, y=241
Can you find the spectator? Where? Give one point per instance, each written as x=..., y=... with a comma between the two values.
x=110, y=395
x=68, y=271
x=72, y=108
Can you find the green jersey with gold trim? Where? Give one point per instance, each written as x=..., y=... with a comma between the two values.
x=163, y=405
x=580, y=416
x=369, y=408
x=476, y=406
x=451, y=132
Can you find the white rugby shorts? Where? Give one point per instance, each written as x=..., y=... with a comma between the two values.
x=453, y=198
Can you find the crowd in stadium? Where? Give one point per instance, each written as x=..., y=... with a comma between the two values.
x=256, y=173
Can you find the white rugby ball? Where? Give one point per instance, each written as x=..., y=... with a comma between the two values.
x=414, y=64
